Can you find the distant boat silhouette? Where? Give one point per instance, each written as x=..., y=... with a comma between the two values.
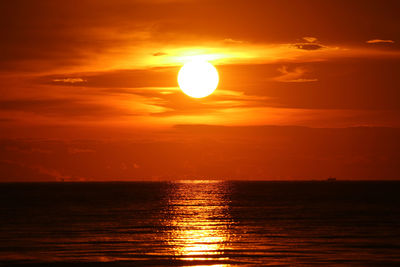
x=331, y=179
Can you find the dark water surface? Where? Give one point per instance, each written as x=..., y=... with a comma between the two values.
x=201, y=224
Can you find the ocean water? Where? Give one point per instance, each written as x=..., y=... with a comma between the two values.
x=204, y=223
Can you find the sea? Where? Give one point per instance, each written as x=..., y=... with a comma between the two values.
x=200, y=223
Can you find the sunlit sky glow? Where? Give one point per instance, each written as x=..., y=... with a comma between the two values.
x=102, y=70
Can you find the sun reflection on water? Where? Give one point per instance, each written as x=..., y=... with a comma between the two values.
x=198, y=221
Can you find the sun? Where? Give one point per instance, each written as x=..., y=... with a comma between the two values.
x=198, y=78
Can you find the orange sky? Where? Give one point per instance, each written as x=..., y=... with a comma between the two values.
x=308, y=89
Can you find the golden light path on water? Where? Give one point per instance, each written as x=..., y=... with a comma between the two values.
x=199, y=222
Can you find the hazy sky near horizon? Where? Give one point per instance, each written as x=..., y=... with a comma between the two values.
x=308, y=89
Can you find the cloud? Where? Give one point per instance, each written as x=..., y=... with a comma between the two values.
x=251, y=85
x=53, y=173
x=232, y=41
x=69, y=80
x=158, y=54
x=30, y=150
x=105, y=35
x=309, y=46
x=379, y=41
x=177, y=103
x=295, y=75
x=125, y=78
x=63, y=107
x=215, y=151
x=28, y=171
x=310, y=39
x=96, y=62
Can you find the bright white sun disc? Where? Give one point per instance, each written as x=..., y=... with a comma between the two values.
x=198, y=78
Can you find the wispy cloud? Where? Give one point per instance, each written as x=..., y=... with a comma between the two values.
x=379, y=41
x=233, y=41
x=308, y=46
x=295, y=75
x=310, y=43
x=310, y=39
x=69, y=80
x=159, y=54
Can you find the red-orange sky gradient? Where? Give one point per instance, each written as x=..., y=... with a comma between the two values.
x=308, y=89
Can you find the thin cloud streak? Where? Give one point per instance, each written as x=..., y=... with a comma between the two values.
x=378, y=41
x=293, y=76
